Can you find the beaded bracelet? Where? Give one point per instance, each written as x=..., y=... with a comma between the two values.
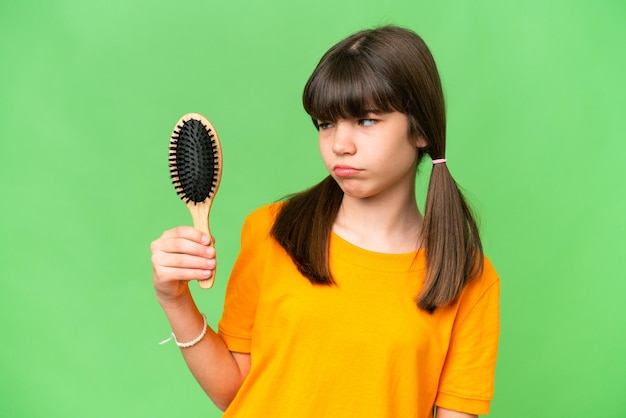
x=192, y=342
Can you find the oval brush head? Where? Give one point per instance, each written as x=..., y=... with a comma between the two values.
x=194, y=159
x=196, y=169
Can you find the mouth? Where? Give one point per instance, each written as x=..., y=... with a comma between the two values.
x=345, y=171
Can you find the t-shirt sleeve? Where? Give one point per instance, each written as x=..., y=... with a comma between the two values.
x=467, y=378
x=242, y=291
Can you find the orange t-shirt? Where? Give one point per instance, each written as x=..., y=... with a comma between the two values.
x=361, y=348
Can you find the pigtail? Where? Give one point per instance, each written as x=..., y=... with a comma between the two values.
x=454, y=253
x=303, y=227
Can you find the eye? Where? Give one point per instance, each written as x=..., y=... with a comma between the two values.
x=367, y=122
x=324, y=125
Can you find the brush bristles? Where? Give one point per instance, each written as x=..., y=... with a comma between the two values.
x=194, y=163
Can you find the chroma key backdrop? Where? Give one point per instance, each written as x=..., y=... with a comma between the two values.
x=90, y=92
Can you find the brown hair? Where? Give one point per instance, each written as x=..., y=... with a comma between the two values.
x=387, y=69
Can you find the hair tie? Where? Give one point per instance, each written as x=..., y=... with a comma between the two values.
x=439, y=161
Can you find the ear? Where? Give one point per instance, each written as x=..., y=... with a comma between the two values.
x=421, y=142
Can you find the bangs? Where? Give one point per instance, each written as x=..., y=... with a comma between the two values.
x=344, y=86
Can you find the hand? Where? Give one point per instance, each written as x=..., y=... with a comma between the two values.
x=180, y=255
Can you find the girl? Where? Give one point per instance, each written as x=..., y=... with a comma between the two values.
x=345, y=301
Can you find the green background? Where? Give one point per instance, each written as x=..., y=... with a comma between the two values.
x=90, y=91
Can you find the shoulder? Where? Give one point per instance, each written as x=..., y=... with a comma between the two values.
x=488, y=273
x=261, y=220
x=265, y=214
x=487, y=281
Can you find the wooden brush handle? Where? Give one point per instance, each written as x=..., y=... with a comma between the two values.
x=200, y=216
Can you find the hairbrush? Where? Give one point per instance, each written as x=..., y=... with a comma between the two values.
x=196, y=170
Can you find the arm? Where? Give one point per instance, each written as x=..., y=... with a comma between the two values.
x=181, y=255
x=467, y=378
x=447, y=413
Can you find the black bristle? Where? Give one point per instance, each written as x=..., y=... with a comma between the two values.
x=193, y=162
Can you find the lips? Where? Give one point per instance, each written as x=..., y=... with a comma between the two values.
x=345, y=171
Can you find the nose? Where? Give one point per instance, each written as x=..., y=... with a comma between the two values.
x=343, y=139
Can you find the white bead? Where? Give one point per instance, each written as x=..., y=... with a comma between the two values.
x=192, y=342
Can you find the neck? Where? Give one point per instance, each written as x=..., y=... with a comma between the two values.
x=386, y=226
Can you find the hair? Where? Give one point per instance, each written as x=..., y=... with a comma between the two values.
x=387, y=69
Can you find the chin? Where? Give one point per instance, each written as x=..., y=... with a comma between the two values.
x=356, y=193
x=355, y=189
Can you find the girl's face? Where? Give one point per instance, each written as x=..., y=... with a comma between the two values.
x=372, y=156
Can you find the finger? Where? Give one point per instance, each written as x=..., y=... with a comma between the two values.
x=181, y=246
x=189, y=233
x=183, y=261
x=166, y=274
